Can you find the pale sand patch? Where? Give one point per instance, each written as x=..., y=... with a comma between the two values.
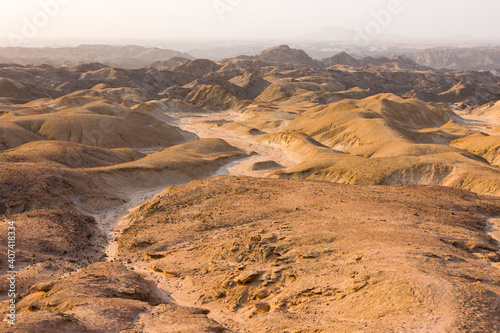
x=263, y=152
x=494, y=232
x=111, y=220
x=478, y=123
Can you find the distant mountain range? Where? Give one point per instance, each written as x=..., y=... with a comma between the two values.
x=482, y=58
x=309, y=54
x=117, y=56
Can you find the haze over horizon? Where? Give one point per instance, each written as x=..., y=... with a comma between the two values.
x=92, y=21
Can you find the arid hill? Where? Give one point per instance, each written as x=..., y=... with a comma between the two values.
x=263, y=254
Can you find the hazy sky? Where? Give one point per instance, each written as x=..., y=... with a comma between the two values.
x=237, y=19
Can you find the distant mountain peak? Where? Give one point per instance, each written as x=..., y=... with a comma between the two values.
x=344, y=55
x=286, y=55
x=342, y=58
x=283, y=47
x=279, y=50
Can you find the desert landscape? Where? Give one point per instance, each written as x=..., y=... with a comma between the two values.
x=264, y=193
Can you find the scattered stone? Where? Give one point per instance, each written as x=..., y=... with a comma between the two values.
x=359, y=285
x=268, y=250
x=495, y=257
x=310, y=255
x=36, y=306
x=220, y=294
x=246, y=277
x=262, y=307
x=158, y=269
x=228, y=284
x=43, y=287
x=261, y=293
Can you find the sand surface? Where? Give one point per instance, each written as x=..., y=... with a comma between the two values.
x=479, y=123
x=262, y=151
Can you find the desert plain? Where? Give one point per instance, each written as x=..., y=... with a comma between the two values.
x=266, y=193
